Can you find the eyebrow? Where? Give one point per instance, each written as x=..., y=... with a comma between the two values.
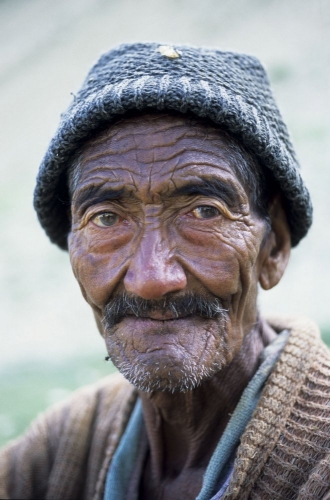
x=214, y=187
x=93, y=195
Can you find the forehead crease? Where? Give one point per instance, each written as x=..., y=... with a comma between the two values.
x=136, y=152
x=159, y=178
x=140, y=127
x=183, y=151
x=172, y=171
x=122, y=133
x=139, y=135
x=154, y=143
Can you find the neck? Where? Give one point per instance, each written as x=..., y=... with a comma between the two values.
x=183, y=429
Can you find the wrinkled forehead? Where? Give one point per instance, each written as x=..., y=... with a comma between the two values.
x=156, y=123
x=157, y=144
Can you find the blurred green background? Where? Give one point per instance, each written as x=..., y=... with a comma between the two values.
x=49, y=343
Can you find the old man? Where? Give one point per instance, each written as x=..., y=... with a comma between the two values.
x=173, y=184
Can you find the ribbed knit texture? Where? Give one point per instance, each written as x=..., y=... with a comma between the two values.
x=232, y=90
x=284, y=451
x=240, y=418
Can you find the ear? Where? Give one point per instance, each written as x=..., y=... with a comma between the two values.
x=277, y=247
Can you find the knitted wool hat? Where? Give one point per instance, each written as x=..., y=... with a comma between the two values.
x=230, y=89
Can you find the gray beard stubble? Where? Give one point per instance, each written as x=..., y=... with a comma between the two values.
x=192, y=373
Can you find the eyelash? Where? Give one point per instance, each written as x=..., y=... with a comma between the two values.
x=105, y=213
x=200, y=207
x=191, y=210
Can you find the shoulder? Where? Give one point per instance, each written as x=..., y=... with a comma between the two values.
x=105, y=401
x=300, y=459
x=285, y=449
x=71, y=437
x=109, y=394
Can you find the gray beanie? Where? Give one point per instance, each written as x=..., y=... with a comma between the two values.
x=230, y=89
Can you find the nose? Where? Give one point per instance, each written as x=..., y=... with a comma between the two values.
x=153, y=271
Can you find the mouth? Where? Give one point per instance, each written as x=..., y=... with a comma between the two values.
x=160, y=316
x=125, y=307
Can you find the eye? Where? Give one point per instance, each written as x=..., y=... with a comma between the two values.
x=106, y=219
x=205, y=212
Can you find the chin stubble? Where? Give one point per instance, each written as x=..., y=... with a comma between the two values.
x=149, y=378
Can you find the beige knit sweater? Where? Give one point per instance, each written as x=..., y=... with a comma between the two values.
x=284, y=451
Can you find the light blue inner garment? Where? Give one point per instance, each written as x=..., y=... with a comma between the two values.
x=123, y=462
x=220, y=468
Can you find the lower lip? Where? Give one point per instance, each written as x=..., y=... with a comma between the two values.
x=150, y=322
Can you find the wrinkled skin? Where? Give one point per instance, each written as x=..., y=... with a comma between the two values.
x=146, y=235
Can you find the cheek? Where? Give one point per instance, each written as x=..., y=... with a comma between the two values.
x=214, y=256
x=97, y=265
x=219, y=273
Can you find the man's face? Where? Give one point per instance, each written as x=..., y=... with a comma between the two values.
x=166, y=249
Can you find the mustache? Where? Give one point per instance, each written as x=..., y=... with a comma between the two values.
x=190, y=304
